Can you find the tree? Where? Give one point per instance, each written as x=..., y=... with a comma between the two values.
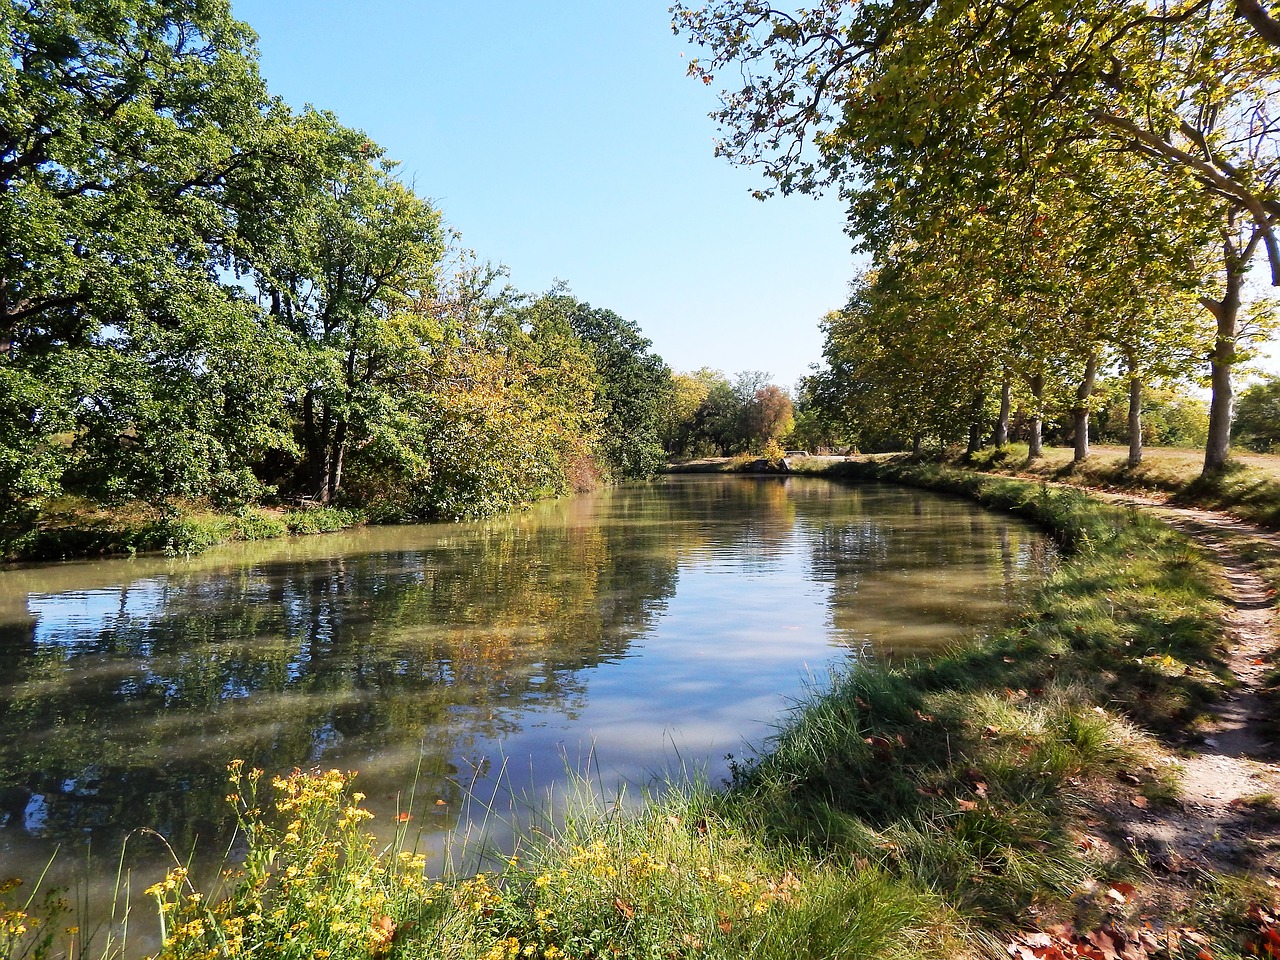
x=634, y=387
x=185, y=406
x=1258, y=416
x=131, y=136
x=343, y=279
x=771, y=414
x=689, y=392
x=818, y=425
x=122, y=130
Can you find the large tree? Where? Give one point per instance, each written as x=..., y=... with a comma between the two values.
x=633, y=391
x=347, y=269
x=130, y=137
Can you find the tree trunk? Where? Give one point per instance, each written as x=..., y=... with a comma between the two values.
x=1001, y=434
x=7, y=331
x=916, y=441
x=313, y=447
x=1135, y=415
x=975, y=421
x=338, y=454
x=1080, y=413
x=1226, y=313
x=1035, y=443
x=1236, y=254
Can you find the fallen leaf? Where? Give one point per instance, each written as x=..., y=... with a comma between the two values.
x=1121, y=891
x=624, y=908
x=404, y=817
x=1139, y=802
x=966, y=805
x=384, y=934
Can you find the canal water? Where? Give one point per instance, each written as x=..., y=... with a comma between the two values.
x=619, y=634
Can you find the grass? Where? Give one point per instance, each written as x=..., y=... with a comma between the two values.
x=905, y=810
x=1248, y=488
x=73, y=527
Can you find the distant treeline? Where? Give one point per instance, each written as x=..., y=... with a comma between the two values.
x=207, y=295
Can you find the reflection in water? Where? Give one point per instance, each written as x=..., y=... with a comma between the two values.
x=638, y=623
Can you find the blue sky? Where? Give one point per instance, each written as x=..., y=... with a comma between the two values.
x=564, y=140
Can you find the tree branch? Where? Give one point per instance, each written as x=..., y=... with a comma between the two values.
x=1207, y=172
x=1265, y=25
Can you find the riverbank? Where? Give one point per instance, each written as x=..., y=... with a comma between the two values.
x=72, y=527
x=944, y=808
x=1248, y=488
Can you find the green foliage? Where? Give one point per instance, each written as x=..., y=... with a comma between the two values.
x=710, y=415
x=147, y=180
x=497, y=410
x=185, y=410
x=634, y=388
x=1258, y=416
x=72, y=527
x=1002, y=165
x=321, y=520
x=35, y=420
x=1170, y=417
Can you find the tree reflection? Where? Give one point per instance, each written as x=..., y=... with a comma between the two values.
x=411, y=652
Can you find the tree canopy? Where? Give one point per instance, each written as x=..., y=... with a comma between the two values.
x=205, y=294
x=1090, y=166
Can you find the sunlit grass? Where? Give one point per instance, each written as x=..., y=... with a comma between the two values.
x=1249, y=487
x=72, y=526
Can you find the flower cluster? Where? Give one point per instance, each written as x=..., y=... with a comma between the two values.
x=313, y=885
x=665, y=893
x=29, y=930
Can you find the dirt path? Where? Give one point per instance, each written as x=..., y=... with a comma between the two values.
x=1229, y=814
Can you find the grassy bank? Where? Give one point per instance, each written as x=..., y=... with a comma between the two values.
x=1249, y=488
x=918, y=809
x=71, y=527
